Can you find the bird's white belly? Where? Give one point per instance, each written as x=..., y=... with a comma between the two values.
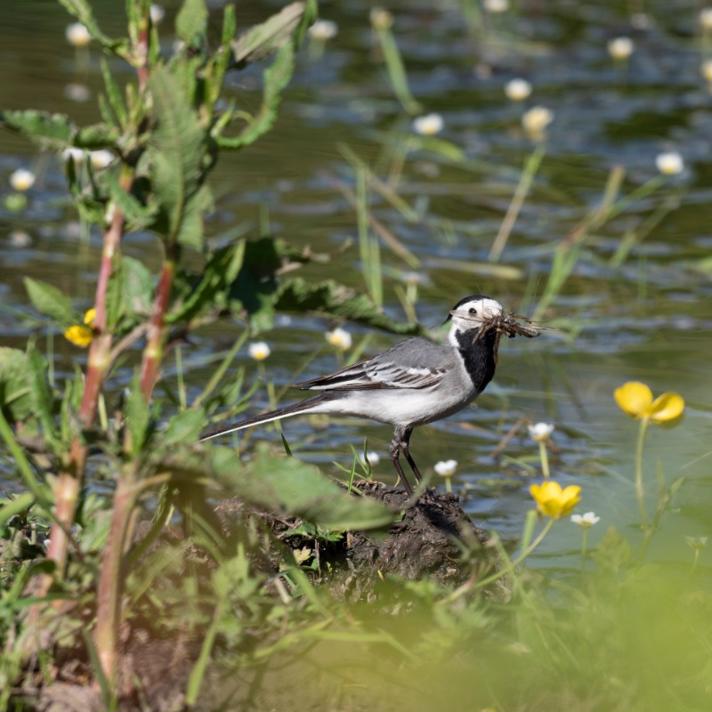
x=401, y=407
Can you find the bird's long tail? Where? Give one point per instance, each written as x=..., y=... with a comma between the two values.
x=310, y=405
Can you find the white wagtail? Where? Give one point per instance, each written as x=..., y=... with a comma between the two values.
x=414, y=382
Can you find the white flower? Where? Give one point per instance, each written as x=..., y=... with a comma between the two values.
x=517, y=89
x=22, y=179
x=706, y=18
x=696, y=542
x=157, y=13
x=541, y=431
x=621, y=48
x=536, y=120
x=76, y=154
x=19, y=238
x=670, y=163
x=100, y=159
x=446, y=468
x=339, y=338
x=323, y=30
x=381, y=19
x=428, y=125
x=373, y=458
x=585, y=521
x=77, y=35
x=706, y=70
x=259, y=350
x=496, y=5
x=77, y=92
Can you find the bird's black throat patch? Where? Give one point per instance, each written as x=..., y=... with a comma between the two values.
x=479, y=354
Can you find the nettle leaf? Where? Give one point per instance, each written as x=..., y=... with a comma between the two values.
x=128, y=298
x=334, y=299
x=53, y=130
x=276, y=79
x=285, y=484
x=41, y=392
x=263, y=39
x=83, y=12
x=113, y=94
x=137, y=215
x=184, y=428
x=15, y=378
x=57, y=131
x=176, y=150
x=50, y=301
x=138, y=415
x=192, y=20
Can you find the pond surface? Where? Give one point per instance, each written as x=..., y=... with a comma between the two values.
x=647, y=318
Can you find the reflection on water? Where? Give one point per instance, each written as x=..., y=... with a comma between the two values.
x=646, y=319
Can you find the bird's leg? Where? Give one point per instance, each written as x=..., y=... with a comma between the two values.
x=396, y=448
x=405, y=445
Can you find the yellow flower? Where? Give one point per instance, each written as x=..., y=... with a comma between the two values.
x=82, y=334
x=79, y=335
x=553, y=501
x=636, y=399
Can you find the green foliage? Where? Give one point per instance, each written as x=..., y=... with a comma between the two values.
x=294, y=487
x=192, y=20
x=81, y=9
x=15, y=395
x=50, y=301
x=177, y=151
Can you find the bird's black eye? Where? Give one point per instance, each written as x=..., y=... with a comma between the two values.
x=473, y=311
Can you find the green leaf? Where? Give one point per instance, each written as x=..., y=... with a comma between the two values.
x=83, y=12
x=96, y=136
x=334, y=299
x=15, y=376
x=52, y=130
x=50, y=301
x=276, y=78
x=177, y=149
x=113, y=94
x=263, y=39
x=192, y=20
x=137, y=215
x=184, y=428
x=41, y=393
x=297, y=488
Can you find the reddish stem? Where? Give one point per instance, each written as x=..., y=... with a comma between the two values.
x=153, y=353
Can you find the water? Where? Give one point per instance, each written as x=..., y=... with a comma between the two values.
x=647, y=320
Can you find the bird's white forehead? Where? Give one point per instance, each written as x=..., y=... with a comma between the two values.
x=486, y=308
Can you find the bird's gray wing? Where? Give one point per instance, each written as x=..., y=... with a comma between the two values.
x=413, y=363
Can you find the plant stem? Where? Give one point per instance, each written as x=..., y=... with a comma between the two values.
x=153, y=353
x=520, y=195
x=110, y=588
x=584, y=545
x=524, y=554
x=639, y=489
x=544, y=457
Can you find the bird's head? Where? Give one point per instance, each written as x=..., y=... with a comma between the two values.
x=478, y=314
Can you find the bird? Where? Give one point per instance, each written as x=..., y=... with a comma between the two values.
x=413, y=383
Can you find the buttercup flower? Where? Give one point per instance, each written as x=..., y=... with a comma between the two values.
x=553, y=501
x=446, y=468
x=22, y=179
x=636, y=400
x=82, y=334
x=621, y=48
x=517, y=89
x=670, y=163
x=259, y=350
x=585, y=521
x=536, y=120
x=339, y=338
x=77, y=35
x=541, y=431
x=323, y=30
x=428, y=125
